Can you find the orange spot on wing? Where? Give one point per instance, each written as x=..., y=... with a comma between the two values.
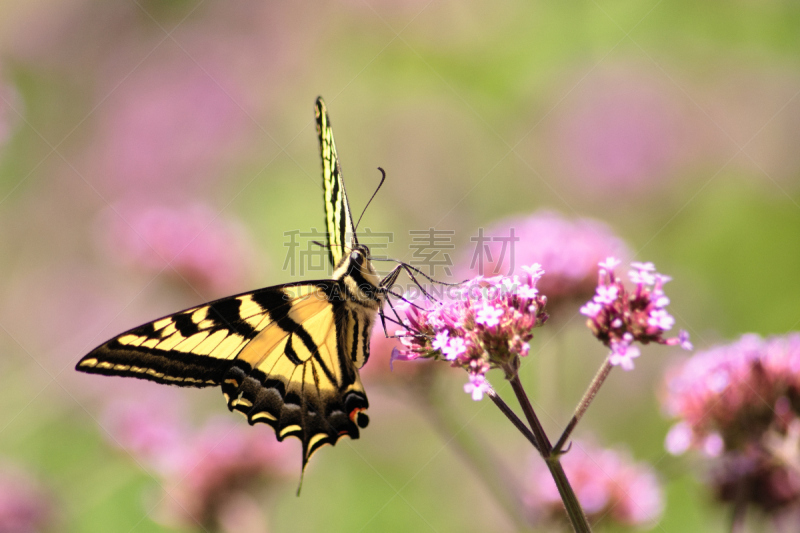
x=354, y=414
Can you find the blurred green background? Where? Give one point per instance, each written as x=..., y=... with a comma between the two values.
x=676, y=123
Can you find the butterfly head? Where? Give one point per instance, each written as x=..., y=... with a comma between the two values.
x=359, y=265
x=355, y=270
x=359, y=255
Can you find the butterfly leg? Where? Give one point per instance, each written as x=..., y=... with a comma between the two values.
x=391, y=277
x=384, y=318
x=385, y=287
x=410, y=271
x=398, y=320
x=423, y=274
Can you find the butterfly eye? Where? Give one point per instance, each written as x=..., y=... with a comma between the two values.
x=357, y=257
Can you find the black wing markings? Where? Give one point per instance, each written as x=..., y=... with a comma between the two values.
x=338, y=219
x=262, y=397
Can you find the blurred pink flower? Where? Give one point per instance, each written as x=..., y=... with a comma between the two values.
x=568, y=250
x=167, y=128
x=732, y=390
x=208, y=473
x=25, y=507
x=193, y=242
x=150, y=427
x=756, y=476
x=738, y=404
x=622, y=132
x=220, y=467
x=380, y=346
x=608, y=484
x=380, y=366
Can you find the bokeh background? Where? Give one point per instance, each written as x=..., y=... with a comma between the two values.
x=674, y=123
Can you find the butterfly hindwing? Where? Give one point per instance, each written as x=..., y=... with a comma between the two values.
x=338, y=220
x=280, y=355
x=297, y=374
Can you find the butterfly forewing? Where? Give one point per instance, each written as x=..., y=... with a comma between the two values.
x=191, y=348
x=338, y=220
x=278, y=354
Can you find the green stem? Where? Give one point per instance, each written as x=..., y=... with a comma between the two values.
x=512, y=416
x=574, y=511
x=538, y=431
x=583, y=405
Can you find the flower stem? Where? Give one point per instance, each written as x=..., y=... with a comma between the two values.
x=583, y=405
x=574, y=510
x=576, y=515
x=538, y=431
x=512, y=416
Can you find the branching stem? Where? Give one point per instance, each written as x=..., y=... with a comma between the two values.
x=583, y=405
x=576, y=515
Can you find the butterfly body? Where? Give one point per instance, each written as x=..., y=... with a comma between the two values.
x=287, y=355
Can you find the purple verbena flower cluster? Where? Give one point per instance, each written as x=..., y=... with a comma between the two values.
x=740, y=403
x=609, y=485
x=486, y=325
x=619, y=317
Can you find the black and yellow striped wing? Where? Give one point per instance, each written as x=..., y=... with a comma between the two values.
x=283, y=355
x=338, y=220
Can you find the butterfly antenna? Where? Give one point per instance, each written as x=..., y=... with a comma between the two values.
x=383, y=178
x=324, y=244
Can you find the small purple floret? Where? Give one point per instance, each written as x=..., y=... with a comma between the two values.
x=489, y=316
x=591, y=309
x=477, y=386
